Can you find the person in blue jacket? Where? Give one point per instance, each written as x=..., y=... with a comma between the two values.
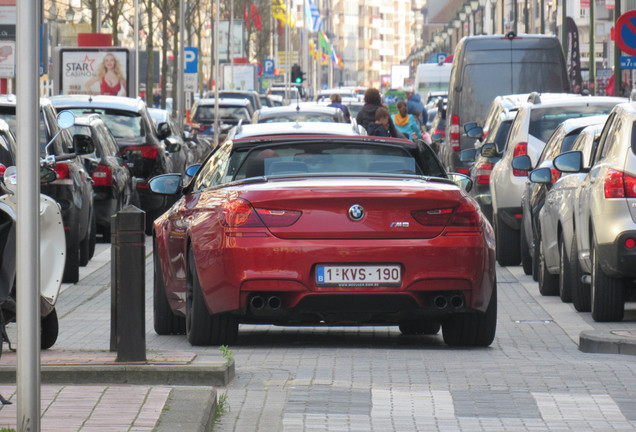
x=415, y=106
x=406, y=123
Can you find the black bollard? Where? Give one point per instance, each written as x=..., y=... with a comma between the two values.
x=128, y=278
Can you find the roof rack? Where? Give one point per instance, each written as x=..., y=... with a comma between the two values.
x=534, y=97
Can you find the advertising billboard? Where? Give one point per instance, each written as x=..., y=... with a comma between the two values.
x=96, y=71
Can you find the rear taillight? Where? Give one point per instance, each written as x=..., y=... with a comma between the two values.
x=435, y=217
x=2, y=170
x=463, y=171
x=440, y=131
x=482, y=172
x=454, y=134
x=240, y=213
x=103, y=176
x=146, y=152
x=201, y=127
x=556, y=174
x=466, y=215
x=520, y=150
x=61, y=169
x=619, y=185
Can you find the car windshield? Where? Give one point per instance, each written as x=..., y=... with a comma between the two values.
x=306, y=117
x=321, y=158
x=122, y=124
x=543, y=121
x=206, y=113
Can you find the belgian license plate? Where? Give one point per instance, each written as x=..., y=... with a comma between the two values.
x=359, y=275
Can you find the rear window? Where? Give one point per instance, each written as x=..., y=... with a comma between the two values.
x=310, y=117
x=206, y=113
x=543, y=121
x=122, y=124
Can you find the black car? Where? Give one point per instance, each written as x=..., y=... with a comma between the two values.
x=145, y=150
x=73, y=189
x=113, y=185
x=194, y=150
x=231, y=113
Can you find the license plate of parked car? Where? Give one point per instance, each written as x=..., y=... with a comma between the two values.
x=359, y=275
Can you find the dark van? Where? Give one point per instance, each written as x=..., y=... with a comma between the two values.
x=485, y=67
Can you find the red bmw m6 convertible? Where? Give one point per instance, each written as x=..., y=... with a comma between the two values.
x=323, y=230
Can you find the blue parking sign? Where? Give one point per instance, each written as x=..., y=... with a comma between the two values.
x=268, y=67
x=190, y=58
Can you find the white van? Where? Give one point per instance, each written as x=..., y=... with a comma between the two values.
x=432, y=77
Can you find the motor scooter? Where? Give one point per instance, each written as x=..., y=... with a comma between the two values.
x=52, y=248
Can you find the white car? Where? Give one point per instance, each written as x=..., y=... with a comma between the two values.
x=556, y=219
x=532, y=127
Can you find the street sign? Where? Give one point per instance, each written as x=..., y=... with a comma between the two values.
x=268, y=66
x=628, y=62
x=191, y=57
x=626, y=32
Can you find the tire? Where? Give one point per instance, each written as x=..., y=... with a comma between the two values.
x=202, y=328
x=581, y=293
x=472, y=329
x=526, y=258
x=548, y=283
x=166, y=322
x=71, y=265
x=49, y=330
x=85, y=249
x=565, y=277
x=419, y=327
x=507, y=244
x=535, y=260
x=608, y=293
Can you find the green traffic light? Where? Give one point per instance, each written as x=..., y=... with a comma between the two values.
x=299, y=80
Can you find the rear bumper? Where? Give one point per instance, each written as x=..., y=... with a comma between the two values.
x=616, y=258
x=440, y=276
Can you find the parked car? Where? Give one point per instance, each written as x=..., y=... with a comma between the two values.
x=250, y=95
x=299, y=113
x=113, y=185
x=533, y=199
x=484, y=158
x=366, y=231
x=533, y=125
x=604, y=221
x=194, y=150
x=556, y=220
x=145, y=150
x=488, y=66
x=73, y=189
x=231, y=112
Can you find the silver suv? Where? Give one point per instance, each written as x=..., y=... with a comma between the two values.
x=531, y=129
x=605, y=218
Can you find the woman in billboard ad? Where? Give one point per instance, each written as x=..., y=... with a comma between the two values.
x=110, y=77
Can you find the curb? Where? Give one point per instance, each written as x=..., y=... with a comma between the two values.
x=217, y=374
x=613, y=342
x=188, y=409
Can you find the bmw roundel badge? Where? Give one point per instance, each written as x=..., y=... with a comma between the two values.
x=356, y=212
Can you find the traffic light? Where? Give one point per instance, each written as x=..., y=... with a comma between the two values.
x=296, y=74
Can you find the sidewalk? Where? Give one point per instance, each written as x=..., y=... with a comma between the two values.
x=84, y=389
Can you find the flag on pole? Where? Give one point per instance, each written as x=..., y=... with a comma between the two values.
x=316, y=22
x=279, y=11
x=323, y=42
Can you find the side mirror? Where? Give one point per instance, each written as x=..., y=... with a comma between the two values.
x=166, y=184
x=192, y=170
x=569, y=162
x=468, y=155
x=172, y=145
x=163, y=130
x=83, y=144
x=65, y=119
x=10, y=180
x=469, y=126
x=437, y=137
x=461, y=180
x=489, y=151
x=522, y=163
x=541, y=175
x=476, y=132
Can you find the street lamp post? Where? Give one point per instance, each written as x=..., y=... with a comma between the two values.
x=474, y=6
x=494, y=16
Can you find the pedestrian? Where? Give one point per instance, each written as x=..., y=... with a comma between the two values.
x=366, y=116
x=380, y=126
x=415, y=106
x=406, y=123
x=336, y=102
